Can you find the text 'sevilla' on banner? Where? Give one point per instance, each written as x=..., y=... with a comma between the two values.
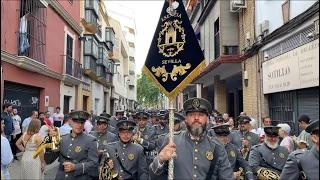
x=174, y=57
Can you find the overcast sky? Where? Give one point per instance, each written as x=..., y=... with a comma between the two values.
x=147, y=14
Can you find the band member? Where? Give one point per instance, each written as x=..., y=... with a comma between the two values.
x=178, y=118
x=144, y=136
x=103, y=138
x=114, y=120
x=243, y=138
x=198, y=156
x=109, y=128
x=268, y=159
x=78, y=151
x=304, y=164
x=128, y=158
x=162, y=127
x=235, y=158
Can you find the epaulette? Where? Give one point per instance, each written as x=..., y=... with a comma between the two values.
x=299, y=151
x=215, y=140
x=256, y=146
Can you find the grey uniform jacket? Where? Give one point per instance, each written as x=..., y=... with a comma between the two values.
x=102, y=140
x=132, y=158
x=80, y=150
x=261, y=153
x=235, y=137
x=309, y=162
x=148, y=135
x=159, y=131
x=236, y=160
x=193, y=159
x=113, y=122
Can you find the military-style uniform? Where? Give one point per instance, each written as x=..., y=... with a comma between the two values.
x=80, y=150
x=113, y=120
x=262, y=158
x=160, y=130
x=128, y=158
x=303, y=162
x=195, y=156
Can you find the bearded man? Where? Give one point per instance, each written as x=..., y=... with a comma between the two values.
x=198, y=156
x=268, y=159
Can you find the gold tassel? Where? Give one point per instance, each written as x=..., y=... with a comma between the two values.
x=170, y=2
x=43, y=146
x=182, y=85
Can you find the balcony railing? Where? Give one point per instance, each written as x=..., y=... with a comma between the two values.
x=73, y=67
x=32, y=30
x=228, y=50
x=99, y=33
x=101, y=71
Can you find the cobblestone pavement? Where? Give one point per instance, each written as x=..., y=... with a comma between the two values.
x=50, y=170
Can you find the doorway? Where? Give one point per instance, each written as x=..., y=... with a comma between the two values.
x=66, y=104
x=85, y=103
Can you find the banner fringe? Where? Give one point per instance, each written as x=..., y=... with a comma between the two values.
x=171, y=95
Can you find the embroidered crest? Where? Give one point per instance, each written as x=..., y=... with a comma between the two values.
x=131, y=156
x=196, y=103
x=104, y=142
x=281, y=155
x=232, y=154
x=77, y=149
x=81, y=115
x=146, y=137
x=209, y=155
x=249, y=138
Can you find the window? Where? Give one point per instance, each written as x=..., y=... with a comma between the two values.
x=69, y=49
x=69, y=53
x=93, y=5
x=216, y=39
x=70, y=1
x=116, y=43
x=91, y=47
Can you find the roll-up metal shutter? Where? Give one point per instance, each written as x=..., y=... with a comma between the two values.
x=25, y=98
x=308, y=102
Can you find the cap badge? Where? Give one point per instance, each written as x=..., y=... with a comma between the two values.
x=81, y=115
x=131, y=156
x=196, y=103
x=209, y=155
x=281, y=155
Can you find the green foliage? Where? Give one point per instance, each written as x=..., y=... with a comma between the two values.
x=147, y=93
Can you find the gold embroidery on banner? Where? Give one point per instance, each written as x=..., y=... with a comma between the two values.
x=177, y=70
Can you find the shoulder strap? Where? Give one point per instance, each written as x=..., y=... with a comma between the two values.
x=123, y=168
x=32, y=141
x=302, y=173
x=216, y=153
x=280, y=170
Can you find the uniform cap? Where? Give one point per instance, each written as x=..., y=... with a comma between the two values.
x=177, y=117
x=142, y=115
x=243, y=119
x=222, y=130
x=126, y=125
x=197, y=105
x=124, y=118
x=79, y=116
x=271, y=130
x=161, y=116
x=313, y=126
x=102, y=119
x=120, y=112
x=105, y=115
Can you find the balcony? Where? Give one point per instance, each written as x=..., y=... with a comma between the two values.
x=90, y=22
x=31, y=35
x=109, y=79
x=109, y=40
x=90, y=67
x=71, y=71
x=101, y=75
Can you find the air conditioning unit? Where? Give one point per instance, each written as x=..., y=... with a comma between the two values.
x=316, y=27
x=265, y=26
x=237, y=5
x=259, y=30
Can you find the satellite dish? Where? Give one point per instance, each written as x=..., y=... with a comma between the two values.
x=175, y=5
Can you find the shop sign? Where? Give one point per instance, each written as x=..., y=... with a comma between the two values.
x=296, y=69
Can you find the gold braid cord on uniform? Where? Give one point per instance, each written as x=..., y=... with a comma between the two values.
x=267, y=174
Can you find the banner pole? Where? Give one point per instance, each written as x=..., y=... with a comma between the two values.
x=171, y=134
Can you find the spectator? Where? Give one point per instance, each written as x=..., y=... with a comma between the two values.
x=253, y=126
x=226, y=117
x=48, y=116
x=26, y=122
x=66, y=127
x=6, y=154
x=260, y=131
x=303, y=141
x=16, y=133
x=6, y=114
x=231, y=123
x=243, y=114
x=87, y=125
x=93, y=119
x=28, y=143
x=287, y=141
x=57, y=117
x=44, y=130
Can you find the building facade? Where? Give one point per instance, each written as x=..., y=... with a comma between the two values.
x=40, y=54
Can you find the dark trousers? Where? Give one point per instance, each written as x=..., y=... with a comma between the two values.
x=13, y=146
x=57, y=123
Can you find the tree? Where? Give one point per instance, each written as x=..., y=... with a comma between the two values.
x=147, y=93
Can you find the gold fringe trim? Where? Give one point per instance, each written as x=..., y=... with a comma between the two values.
x=171, y=95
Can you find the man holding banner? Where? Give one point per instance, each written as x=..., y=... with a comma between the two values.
x=173, y=61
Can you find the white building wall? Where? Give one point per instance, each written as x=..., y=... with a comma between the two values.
x=67, y=91
x=272, y=11
x=97, y=97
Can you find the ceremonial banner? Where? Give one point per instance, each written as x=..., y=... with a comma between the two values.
x=174, y=58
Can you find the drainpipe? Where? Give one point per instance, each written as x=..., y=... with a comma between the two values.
x=259, y=90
